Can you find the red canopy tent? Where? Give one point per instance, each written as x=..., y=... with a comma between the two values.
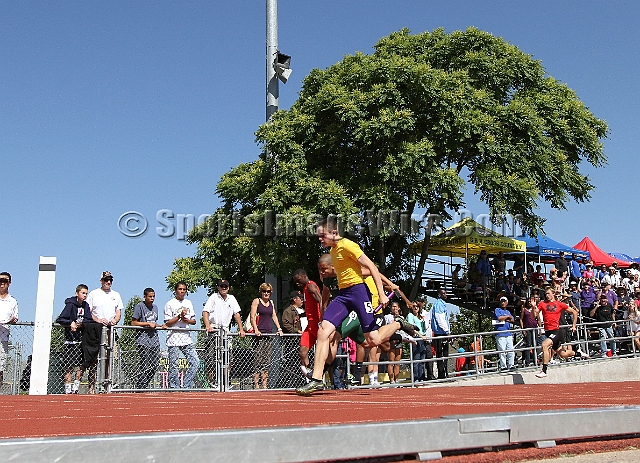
x=598, y=256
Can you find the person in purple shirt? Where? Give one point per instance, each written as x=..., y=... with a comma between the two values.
x=612, y=297
x=588, y=297
x=263, y=316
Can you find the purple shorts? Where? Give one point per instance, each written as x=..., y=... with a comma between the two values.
x=356, y=298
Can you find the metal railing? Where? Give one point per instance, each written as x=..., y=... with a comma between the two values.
x=228, y=362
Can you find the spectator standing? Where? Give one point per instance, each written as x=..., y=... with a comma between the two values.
x=630, y=282
x=499, y=264
x=8, y=316
x=538, y=276
x=529, y=323
x=588, y=272
x=634, y=321
x=106, y=309
x=499, y=267
x=264, y=307
x=291, y=325
x=504, y=337
x=179, y=315
x=574, y=268
x=441, y=328
x=624, y=305
x=72, y=318
x=557, y=279
x=602, y=272
x=561, y=264
x=612, y=278
x=425, y=314
x=483, y=266
x=518, y=266
x=419, y=349
x=105, y=303
x=291, y=315
x=145, y=315
x=588, y=298
x=603, y=313
x=611, y=295
x=220, y=308
x=395, y=351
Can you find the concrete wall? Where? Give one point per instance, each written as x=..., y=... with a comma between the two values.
x=592, y=371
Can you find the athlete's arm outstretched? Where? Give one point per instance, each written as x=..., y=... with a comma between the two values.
x=375, y=274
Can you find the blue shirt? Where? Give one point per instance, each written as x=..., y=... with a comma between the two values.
x=439, y=317
x=502, y=326
x=483, y=266
x=574, y=267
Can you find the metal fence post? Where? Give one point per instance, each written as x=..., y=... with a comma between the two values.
x=223, y=344
x=102, y=360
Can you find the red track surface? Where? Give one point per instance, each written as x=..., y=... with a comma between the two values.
x=59, y=415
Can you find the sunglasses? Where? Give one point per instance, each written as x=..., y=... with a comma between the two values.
x=4, y=280
x=267, y=291
x=223, y=287
x=108, y=280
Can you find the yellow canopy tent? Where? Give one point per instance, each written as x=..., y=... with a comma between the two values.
x=469, y=237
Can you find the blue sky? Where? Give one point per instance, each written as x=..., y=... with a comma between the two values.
x=109, y=107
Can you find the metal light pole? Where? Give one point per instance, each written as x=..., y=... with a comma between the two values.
x=272, y=103
x=272, y=49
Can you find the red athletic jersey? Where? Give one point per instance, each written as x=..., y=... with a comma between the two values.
x=311, y=306
x=551, y=312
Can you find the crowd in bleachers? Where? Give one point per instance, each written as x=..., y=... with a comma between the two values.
x=588, y=288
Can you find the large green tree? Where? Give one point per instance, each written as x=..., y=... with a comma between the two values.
x=404, y=129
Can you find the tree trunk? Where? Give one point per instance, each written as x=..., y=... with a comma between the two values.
x=424, y=253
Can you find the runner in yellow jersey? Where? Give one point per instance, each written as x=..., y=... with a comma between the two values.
x=348, y=259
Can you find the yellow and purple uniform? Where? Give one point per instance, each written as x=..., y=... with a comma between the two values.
x=353, y=292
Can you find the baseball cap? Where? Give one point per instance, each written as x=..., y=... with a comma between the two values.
x=293, y=294
x=223, y=283
x=106, y=276
x=503, y=298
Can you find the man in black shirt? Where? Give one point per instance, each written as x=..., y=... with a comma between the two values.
x=603, y=313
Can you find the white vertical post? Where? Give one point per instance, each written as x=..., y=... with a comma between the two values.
x=42, y=329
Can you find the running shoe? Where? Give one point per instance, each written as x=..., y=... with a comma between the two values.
x=406, y=326
x=311, y=387
x=541, y=374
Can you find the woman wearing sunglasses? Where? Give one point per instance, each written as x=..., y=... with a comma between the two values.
x=263, y=318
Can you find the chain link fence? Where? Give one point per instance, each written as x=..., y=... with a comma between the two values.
x=15, y=361
x=129, y=359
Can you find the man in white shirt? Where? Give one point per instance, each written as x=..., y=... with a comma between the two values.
x=179, y=314
x=8, y=316
x=105, y=306
x=612, y=278
x=217, y=314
